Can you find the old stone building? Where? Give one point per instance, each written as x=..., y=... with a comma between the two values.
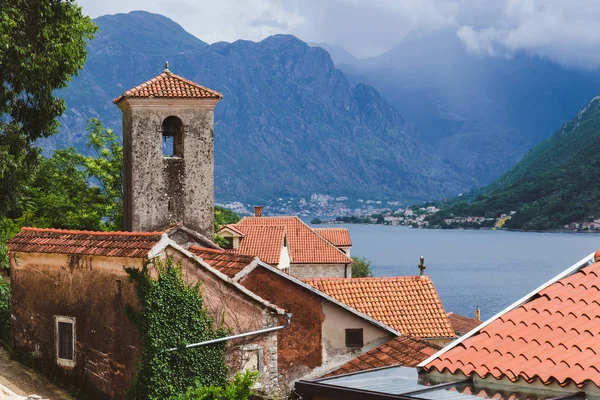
x=76, y=324
x=168, y=144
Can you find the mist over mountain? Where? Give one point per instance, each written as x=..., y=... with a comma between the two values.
x=511, y=103
x=290, y=124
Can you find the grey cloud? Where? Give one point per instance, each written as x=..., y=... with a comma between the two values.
x=567, y=32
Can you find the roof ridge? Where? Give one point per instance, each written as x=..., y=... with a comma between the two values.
x=85, y=232
x=369, y=278
x=185, y=80
x=216, y=251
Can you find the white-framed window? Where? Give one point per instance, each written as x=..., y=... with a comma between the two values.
x=64, y=328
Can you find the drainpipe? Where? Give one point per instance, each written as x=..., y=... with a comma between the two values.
x=238, y=336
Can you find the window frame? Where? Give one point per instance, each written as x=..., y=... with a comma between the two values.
x=355, y=330
x=65, y=362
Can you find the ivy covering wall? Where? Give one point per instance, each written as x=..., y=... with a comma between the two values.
x=173, y=315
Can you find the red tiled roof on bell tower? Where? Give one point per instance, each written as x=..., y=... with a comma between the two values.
x=169, y=85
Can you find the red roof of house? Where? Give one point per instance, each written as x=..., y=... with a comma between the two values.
x=110, y=244
x=552, y=338
x=408, y=304
x=169, y=85
x=304, y=244
x=228, y=263
x=264, y=242
x=403, y=350
x=462, y=324
x=337, y=236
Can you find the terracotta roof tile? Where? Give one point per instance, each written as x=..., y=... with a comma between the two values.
x=226, y=262
x=169, y=85
x=553, y=338
x=408, y=304
x=403, y=350
x=304, y=244
x=462, y=324
x=111, y=244
x=264, y=242
x=337, y=236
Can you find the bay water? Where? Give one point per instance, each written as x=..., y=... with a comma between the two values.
x=469, y=268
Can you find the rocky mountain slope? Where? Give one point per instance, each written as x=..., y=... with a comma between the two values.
x=556, y=183
x=290, y=124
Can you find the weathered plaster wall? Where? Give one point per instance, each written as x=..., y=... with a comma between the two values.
x=307, y=271
x=299, y=345
x=160, y=191
x=241, y=314
x=284, y=258
x=107, y=347
x=337, y=320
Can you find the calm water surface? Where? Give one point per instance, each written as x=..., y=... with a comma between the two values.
x=491, y=269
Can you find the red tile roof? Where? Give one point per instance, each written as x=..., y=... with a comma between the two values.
x=304, y=244
x=462, y=324
x=169, y=85
x=408, y=304
x=110, y=244
x=232, y=228
x=403, y=350
x=264, y=242
x=337, y=236
x=228, y=263
x=552, y=338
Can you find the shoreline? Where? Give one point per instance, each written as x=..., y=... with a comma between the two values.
x=463, y=229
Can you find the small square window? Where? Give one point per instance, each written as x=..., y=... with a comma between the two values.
x=354, y=337
x=65, y=340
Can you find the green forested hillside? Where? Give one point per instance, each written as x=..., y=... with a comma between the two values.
x=556, y=183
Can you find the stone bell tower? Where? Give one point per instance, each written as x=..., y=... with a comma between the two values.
x=168, y=146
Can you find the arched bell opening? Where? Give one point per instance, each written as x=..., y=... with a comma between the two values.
x=172, y=137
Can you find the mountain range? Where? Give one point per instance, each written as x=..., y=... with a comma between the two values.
x=290, y=123
x=425, y=120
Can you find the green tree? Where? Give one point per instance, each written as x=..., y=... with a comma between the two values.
x=223, y=216
x=239, y=389
x=4, y=311
x=71, y=191
x=361, y=268
x=42, y=45
x=173, y=315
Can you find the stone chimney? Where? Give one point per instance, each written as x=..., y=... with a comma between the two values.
x=477, y=314
x=258, y=211
x=422, y=266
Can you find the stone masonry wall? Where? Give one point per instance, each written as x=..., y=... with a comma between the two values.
x=308, y=271
x=161, y=191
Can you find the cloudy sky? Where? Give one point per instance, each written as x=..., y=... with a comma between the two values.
x=566, y=31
